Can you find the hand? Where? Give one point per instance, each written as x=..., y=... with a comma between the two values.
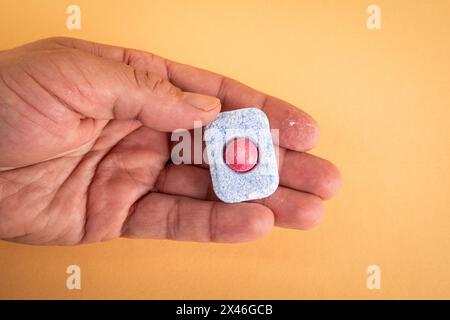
x=84, y=150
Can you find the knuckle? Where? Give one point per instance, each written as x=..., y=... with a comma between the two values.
x=153, y=82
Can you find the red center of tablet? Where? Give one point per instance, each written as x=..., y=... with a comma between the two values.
x=241, y=154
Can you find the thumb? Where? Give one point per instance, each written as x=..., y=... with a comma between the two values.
x=127, y=93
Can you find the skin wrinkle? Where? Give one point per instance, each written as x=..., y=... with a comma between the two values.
x=48, y=92
x=137, y=182
x=20, y=189
x=36, y=123
x=87, y=212
x=177, y=221
x=161, y=179
x=221, y=92
x=139, y=114
x=118, y=159
x=156, y=83
x=263, y=103
x=126, y=57
x=65, y=235
x=172, y=220
x=82, y=150
x=81, y=72
x=130, y=214
x=85, y=218
x=136, y=110
x=51, y=202
x=166, y=67
x=136, y=78
x=38, y=213
x=281, y=155
x=35, y=108
x=46, y=214
x=3, y=193
x=209, y=191
x=65, y=181
x=9, y=124
x=71, y=88
x=213, y=222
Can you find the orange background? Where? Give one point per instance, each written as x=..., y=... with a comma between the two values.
x=382, y=99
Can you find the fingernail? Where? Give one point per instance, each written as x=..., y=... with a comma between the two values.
x=200, y=101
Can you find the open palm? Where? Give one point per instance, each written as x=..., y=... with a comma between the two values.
x=85, y=150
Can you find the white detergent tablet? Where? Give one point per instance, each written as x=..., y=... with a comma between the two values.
x=241, y=155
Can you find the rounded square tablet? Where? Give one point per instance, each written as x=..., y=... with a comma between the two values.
x=241, y=155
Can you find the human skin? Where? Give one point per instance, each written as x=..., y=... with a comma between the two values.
x=85, y=150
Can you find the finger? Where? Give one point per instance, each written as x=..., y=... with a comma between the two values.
x=162, y=216
x=105, y=89
x=292, y=209
x=298, y=170
x=308, y=173
x=295, y=209
x=298, y=130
